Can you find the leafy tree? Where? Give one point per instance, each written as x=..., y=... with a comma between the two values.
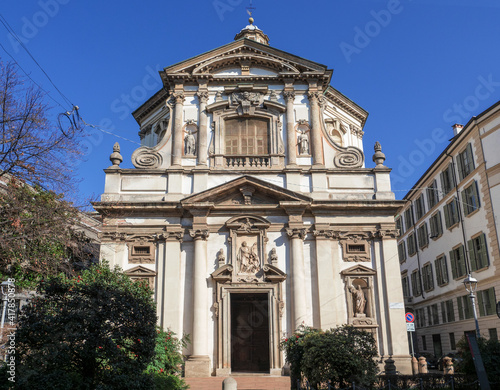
x=167, y=362
x=39, y=234
x=341, y=356
x=490, y=354
x=94, y=331
x=33, y=148
x=294, y=351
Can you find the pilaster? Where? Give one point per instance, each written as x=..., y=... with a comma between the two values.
x=178, y=122
x=203, y=119
x=289, y=96
x=317, y=147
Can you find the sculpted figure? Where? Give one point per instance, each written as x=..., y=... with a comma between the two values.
x=248, y=258
x=358, y=298
x=303, y=141
x=189, y=141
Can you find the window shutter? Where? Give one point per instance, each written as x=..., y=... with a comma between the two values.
x=460, y=166
x=470, y=156
x=492, y=300
x=472, y=255
x=451, y=176
x=453, y=262
x=460, y=308
x=466, y=202
x=461, y=261
x=483, y=252
x=480, y=303
x=439, y=275
x=476, y=194
x=443, y=183
x=447, y=215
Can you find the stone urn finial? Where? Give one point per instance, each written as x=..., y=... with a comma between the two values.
x=116, y=158
x=378, y=157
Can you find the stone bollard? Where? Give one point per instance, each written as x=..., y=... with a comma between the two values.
x=229, y=384
x=389, y=366
x=414, y=365
x=422, y=365
x=448, y=368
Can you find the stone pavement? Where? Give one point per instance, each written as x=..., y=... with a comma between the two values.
x=244, y=383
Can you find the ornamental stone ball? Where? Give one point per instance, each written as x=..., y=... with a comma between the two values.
x=378, y=157
x=116, y=158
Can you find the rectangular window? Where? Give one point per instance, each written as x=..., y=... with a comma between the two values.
x=493, y=333
x=465, y=162
x=447, y=182
x=409, y=218
x=246, y=137
x=424, y=344
x=420, y=318
x=427, y=277
x=457, y=260
x=478, y=253
x=420, y=207
x=441, y=270
x=453, y=344
x=399, y=225
x=436, y=225
x=451, y=213
x=486, y=302
x=406, y=286
x=423, y=236
x=415, y=283
x=470, y=198
x=412, y=245
x=429, y=316
x=432, y=194
x=464, y=307
x=435, y=314
x=402, y=252
x=449, y=311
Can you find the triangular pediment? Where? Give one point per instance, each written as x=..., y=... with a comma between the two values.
x=140, y=271
x=244, y=53
x=246, y=191
x=359, y=270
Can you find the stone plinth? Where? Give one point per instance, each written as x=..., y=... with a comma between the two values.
x=198, y=367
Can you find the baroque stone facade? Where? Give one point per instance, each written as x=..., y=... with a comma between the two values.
x=251, y=210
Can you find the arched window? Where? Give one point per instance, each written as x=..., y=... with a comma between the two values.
x=246, y=137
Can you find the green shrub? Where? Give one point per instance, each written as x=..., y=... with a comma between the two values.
x=94, y=331
x=490, y=354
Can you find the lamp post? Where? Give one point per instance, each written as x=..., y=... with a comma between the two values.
x=470, y=284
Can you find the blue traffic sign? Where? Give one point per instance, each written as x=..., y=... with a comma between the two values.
x=409, y=317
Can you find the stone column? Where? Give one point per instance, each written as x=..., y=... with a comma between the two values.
x=198, y=364
x=290, y=128
x=316, y=140
x=172, y=309
x=202, y=131
x=178, y=136
x=297, y=236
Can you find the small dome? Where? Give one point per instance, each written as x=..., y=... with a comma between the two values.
x=253, y=32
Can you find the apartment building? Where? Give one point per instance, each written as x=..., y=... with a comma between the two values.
x=448, y=230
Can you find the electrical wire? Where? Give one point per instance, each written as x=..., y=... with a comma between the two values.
x=13, y=33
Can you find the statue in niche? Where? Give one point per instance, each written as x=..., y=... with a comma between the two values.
x=190, y=143
x=248, y=259
x=358, y=301
x=303, y=142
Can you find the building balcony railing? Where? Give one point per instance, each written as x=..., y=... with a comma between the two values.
x=247, y=161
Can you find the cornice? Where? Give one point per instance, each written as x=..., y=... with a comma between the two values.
x=347, y=104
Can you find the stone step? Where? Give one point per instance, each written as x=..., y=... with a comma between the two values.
x=244, y=383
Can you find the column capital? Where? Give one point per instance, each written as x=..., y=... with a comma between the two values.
x=199, y=234
x=296, y=233
x=176, y=235
x=179, y=97
x=313, y=96
x=202, y=96
x=289, y=95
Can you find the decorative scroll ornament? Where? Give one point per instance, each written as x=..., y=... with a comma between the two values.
x=202, y=96
x=346, y=157
x=296, y=233
x=289, y=95
x=146, y=158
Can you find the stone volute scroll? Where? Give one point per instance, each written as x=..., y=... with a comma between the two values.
x=346, y=157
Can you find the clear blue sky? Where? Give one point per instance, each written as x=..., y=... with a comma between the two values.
x=417, y=66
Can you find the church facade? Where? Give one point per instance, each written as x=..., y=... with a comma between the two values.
x=250, y=210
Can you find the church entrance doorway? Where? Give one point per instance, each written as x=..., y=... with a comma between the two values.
x=250, y=333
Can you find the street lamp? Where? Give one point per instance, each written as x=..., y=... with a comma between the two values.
x=470, y=284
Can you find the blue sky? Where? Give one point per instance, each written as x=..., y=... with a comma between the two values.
x=416, y=66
